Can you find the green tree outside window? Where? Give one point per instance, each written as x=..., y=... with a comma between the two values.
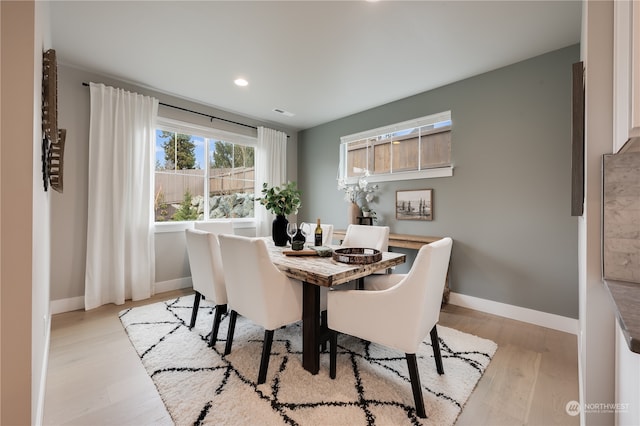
x=228, y=155
x=185, y=158
x=186, y=210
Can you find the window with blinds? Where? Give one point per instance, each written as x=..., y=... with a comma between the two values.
x=412, y=149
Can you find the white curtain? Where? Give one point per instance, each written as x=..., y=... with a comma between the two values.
x=271, y=167
x=120, y=241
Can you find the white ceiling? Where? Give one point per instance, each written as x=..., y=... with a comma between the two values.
x=320, y=60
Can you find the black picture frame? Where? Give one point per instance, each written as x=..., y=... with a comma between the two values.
x=577, y=140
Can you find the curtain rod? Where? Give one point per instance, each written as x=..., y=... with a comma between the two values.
x=211, y=117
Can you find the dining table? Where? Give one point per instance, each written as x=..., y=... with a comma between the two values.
x=314, y=272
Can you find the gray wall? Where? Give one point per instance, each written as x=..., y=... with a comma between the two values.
x=507, y=207
x=69, y=209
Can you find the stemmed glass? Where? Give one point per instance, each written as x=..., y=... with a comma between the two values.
x=292, y=229
x=305, y=228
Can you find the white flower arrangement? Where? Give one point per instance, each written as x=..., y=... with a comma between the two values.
x=360, y=193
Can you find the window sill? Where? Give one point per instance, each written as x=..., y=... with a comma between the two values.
x=165, y=227
x=417, y=174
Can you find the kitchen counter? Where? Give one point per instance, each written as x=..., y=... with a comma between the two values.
x=626, y=300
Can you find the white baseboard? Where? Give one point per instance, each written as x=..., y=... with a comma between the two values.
x=581, y=375
x=67, y=305
x=177, y=284
x=77, y=303
x=39, y=420
x=543, y=319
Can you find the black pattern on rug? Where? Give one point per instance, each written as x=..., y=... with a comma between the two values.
x=200, y=386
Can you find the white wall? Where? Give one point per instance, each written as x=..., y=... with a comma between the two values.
x=596, y=339
x=40, y=314
x=68, y=210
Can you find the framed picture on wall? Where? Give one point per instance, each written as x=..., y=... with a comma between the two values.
x=414, y=204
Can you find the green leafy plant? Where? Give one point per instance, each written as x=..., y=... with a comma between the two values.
x=186, y=210
x=283, y=200
x=367, y=211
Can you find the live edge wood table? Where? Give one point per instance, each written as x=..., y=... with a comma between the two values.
x=316, y=272
x=411, y=242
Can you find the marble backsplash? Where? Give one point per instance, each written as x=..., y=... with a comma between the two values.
x=621, y=215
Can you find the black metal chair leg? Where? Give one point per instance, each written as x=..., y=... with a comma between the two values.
x=435, y=344
x=323, y=326
x=333, y=353
x=266, y=352
x=194, y=312
x=220, y=309
x=414, y=375
x=232, y=325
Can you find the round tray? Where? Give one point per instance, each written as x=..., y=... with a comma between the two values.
x=357, y=255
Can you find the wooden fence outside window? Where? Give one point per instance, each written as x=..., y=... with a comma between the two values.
x=173, y=184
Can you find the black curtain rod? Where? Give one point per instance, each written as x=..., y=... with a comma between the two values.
x=211, y=117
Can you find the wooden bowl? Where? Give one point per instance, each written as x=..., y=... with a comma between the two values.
x=357, y=255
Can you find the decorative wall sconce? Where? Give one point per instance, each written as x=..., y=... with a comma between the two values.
x=52, y=137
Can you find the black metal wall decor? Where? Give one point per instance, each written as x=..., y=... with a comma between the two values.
x=577, y=140
x=52, y=137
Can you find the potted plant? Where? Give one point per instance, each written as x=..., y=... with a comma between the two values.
x=368, y=212
x=280, y=200
x=359, y=195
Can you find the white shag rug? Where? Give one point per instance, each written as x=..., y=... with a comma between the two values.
x=201, y=387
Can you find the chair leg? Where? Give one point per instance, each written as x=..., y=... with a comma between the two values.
x=232, y=325
x=266, y=352
x=220, y=309
x=194, y=312
x=435, y=344
x=323, y=326
x=414, y=375
x=333, y=352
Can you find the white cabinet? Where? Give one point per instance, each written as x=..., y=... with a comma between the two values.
x=626, y=106
x=627, y=407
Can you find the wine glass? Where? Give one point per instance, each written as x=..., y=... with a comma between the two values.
x=292, y=230
x=304, y=229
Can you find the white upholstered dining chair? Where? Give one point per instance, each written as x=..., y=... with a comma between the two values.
x=258, y=291
x=366, y=236
x=327, y=233
x=375, y=237
x=400, y=316
x=203, y=250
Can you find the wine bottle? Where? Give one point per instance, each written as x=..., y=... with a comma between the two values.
x=318, y=235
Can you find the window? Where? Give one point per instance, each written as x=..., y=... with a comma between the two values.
x=409, y=150
x=191, y=161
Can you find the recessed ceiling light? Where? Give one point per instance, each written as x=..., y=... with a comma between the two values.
x=241, y=82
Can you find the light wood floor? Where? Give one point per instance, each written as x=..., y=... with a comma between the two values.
x=95, y=376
